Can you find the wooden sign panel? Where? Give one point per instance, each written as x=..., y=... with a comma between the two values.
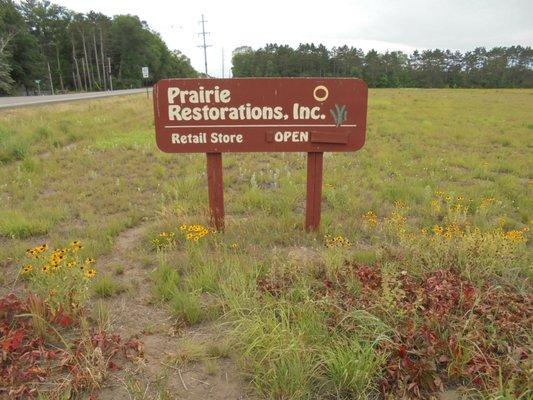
x=260, y=114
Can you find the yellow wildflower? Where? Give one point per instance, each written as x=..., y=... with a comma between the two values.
x=75, y=246
x=515, y=236
x=90, y=273
x=27, y=269
x=438, y=230
x=399, y=204
x=370, y=218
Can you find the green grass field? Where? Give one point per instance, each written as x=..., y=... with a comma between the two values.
x=418, y=281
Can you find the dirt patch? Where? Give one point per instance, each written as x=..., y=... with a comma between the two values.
x=68, y=147
x=158, y=374
x=303, y=255
x=450, y=395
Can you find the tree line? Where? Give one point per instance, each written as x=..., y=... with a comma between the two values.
x=500, y=67
x=49, y=47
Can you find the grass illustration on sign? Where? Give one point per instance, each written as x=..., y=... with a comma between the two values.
x=339, y=114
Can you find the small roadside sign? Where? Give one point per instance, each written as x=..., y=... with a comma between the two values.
x=145, y=72
x=260, y=115
x=215, y=116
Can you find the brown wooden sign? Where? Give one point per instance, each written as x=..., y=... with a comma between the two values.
x=214, y=116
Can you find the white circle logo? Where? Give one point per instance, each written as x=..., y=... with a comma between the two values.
x=320, y=93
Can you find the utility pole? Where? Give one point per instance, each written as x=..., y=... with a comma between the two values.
x=102, y=58
x=205, y=46
x=222, y=62
x=109, y=71
x=50, y=77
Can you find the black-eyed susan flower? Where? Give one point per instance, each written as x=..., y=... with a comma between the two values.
x=75, y=245
x=34, y=252
x=90, y=273
x=45, y=269
x=438, y=230
x=370, y=218
x=90, y=260
x=399, y=204
x=72, y=263
x=515, y=236
x=336, y=241
x=183, y=227
x=27, y=269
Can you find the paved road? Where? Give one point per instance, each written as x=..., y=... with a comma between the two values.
x=7, y=102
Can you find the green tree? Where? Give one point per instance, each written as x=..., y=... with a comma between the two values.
x=19, y=52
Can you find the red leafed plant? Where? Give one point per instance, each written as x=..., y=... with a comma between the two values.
x=28, y=357
x=447, y=331
x=454, y=333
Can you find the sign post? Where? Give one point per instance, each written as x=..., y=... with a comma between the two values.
x=38, y=82
x=146, y=74
x=214, y=116
x=215, y=190
x=313, y=204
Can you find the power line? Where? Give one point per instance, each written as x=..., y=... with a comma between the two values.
x=205, y=46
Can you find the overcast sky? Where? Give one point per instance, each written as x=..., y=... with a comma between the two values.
x=380, y=24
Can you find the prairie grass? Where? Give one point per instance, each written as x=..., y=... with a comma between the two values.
x=105, y=287
x=166, y=281
x=310, y=317
x=186, y=306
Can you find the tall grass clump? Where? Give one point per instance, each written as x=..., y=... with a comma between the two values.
x=166, y=280
x=352, y=367
x=291, y=350
x=280, y=362
x=186, y=306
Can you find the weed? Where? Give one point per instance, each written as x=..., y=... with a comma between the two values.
x=104, y=287
x=186, y=306
x=166, y=280
x=211, y=366
x=189, y=352
x=352, y=367
x=218, y=349
x=101, y=315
